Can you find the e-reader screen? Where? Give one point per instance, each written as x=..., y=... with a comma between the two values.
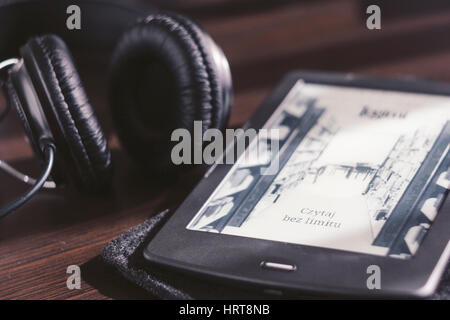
x=356, y=181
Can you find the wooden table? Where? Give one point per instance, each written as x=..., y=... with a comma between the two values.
x=58, y=229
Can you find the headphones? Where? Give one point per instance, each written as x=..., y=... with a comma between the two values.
x=166, y=72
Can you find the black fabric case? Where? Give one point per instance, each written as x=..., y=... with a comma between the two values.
x=125, y=254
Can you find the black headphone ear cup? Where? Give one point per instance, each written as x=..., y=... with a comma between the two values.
x=219, y=73
x=80, y=142
x=163, y=77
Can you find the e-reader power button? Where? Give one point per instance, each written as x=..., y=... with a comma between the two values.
x=278, y=266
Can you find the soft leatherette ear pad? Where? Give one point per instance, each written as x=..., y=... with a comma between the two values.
x=79, y=138
x=163, y=77
x=219, y=73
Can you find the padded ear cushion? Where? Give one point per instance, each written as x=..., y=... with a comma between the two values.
x=163, y=77
x=78, y=135
x=218, y=69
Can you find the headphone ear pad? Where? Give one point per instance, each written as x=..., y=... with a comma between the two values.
x=219, y=73
x=163, y=77
x=80, y=143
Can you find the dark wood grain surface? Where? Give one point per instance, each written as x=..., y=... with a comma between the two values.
x=58, y=229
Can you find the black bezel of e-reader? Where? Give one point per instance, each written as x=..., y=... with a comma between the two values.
x=238, y=260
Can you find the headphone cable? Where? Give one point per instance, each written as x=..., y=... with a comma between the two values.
x=49, y=151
